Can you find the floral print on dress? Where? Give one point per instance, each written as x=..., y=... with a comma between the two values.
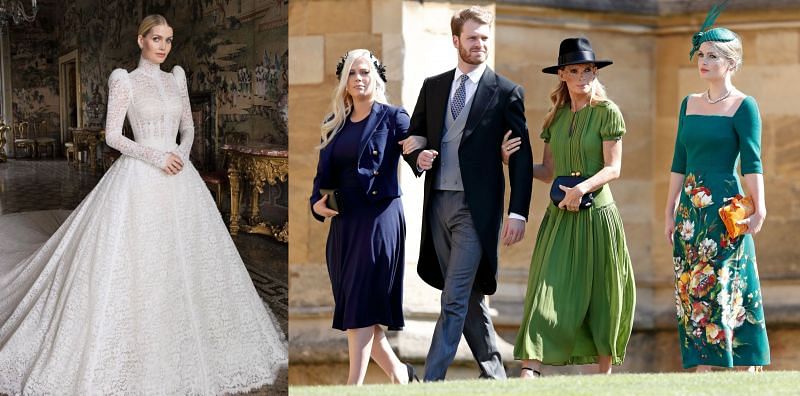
x=710, y=276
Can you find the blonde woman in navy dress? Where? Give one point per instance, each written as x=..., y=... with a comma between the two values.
x=362, y=141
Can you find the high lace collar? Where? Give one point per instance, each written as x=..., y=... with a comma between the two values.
x=149, y=68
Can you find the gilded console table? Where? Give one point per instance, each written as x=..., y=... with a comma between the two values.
x=90, y=137
x=257, y=166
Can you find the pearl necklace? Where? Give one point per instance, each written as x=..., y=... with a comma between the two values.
x=717, y=100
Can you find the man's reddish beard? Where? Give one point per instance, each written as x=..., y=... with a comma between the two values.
x=464, y=54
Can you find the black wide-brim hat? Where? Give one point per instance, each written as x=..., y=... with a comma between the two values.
x=573, y=51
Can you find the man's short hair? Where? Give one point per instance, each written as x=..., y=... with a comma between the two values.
x=475, y=13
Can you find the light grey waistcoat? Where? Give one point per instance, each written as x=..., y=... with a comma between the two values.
x=449, y=173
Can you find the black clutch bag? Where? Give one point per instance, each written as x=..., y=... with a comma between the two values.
x=334, y=199
x=557, y=195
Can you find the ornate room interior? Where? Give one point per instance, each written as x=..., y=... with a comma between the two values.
x=55, y=60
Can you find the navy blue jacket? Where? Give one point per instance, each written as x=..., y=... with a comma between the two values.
x=378, y=158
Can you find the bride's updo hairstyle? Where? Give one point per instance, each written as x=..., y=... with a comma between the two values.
x=151, y=21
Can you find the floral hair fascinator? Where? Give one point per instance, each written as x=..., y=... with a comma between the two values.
x=716, y=34
x=380, y=68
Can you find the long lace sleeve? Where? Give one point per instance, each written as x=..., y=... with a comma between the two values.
x=187, y=124
x=119, y=98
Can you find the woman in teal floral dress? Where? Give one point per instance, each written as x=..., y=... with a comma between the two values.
x=717, y=293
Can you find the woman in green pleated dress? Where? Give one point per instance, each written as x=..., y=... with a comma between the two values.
x=717, y=293
x=581, y=295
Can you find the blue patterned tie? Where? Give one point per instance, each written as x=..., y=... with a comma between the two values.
x=459, y=97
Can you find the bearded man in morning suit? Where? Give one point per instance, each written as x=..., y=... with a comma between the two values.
x=463, y=114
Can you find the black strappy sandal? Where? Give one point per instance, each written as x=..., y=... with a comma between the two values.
x=412, y=373
x=536, y=373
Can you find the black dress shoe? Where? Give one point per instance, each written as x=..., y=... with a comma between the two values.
x=412, y=373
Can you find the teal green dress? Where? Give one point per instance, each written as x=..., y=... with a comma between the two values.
x=717, y=292
x=581, y=295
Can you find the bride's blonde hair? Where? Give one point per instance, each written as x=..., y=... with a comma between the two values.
x=342, y=102
x=151, y=21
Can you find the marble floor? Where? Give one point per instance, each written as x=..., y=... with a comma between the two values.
x=27, y=185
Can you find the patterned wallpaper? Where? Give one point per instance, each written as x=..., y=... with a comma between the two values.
x=34, y=76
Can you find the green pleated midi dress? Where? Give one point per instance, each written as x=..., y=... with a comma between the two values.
x=581, y=295
x=717, y=294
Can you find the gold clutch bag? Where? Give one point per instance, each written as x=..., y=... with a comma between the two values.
x=738, y=208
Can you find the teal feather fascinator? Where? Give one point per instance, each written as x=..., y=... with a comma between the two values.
x=716, y=34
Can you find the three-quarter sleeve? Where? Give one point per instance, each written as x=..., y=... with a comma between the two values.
x=679, y=154
x=613, y=124
x=186, y=127
x=747, y=123
x=119, y=98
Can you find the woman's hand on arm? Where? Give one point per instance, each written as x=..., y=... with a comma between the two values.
x=543, y=171
x=509, y=146
x=413, y=143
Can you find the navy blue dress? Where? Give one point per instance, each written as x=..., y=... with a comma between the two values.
x=366, y=243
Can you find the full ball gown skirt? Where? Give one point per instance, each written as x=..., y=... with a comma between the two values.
x=140, y=290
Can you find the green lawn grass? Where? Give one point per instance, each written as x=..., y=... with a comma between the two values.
x=717, y=383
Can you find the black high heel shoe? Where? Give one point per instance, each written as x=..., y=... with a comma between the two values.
x=412, y=373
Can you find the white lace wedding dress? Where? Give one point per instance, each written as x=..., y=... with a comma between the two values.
x=141, y=289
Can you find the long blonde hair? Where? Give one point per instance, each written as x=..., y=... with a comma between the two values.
x=560, y=97
x=342, y=102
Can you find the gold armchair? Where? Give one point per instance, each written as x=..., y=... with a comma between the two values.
x=70, y=150
x=23, y=141
x=43, y=141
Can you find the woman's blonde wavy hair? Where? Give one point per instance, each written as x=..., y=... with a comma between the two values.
x=342, y=102
x=560, y=97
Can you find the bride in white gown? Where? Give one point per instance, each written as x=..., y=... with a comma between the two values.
x=141, y=289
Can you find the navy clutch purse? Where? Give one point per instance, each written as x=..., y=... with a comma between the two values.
x=335, y=200
x=557, y=195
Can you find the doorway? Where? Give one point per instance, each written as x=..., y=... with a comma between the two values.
x=70, y=94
